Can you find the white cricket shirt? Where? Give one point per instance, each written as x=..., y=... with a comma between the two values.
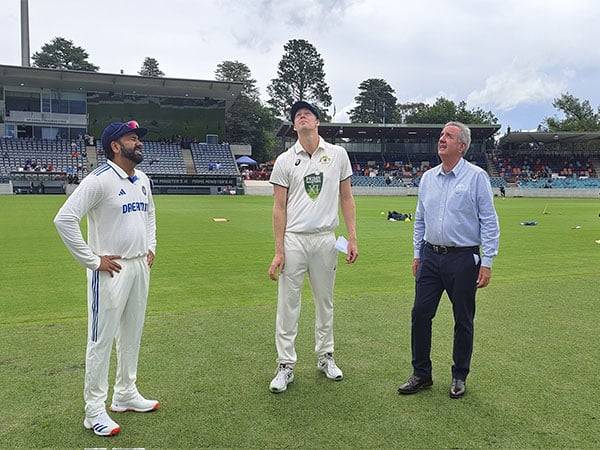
x=120, y=213
x=313, y=185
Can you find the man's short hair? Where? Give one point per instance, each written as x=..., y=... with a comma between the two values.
x=464, y=134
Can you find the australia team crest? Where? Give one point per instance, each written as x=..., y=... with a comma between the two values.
x=325, y=160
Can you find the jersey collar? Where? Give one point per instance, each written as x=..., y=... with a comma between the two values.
x=299, y=149
x=121, y=172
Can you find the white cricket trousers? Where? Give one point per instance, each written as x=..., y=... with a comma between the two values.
x=116, y=310
x=316, y=255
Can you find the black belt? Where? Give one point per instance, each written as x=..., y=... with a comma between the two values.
x=444, y=250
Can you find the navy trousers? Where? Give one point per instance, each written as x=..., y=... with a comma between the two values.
x=456, y=273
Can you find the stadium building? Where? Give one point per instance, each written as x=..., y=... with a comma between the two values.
x=50, y=104
x=45, y=115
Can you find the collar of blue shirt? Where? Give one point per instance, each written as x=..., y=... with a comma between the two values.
x=456, y=170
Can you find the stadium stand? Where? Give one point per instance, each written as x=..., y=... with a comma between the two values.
x=33, y=155
x=524, y=167
x=214, y=159
x=160, y=158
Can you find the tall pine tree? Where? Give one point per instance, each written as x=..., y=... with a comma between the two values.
x=61, y=53
x=300, y=76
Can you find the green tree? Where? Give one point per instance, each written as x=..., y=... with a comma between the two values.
x=240, y=72
x=578, y=115
x=445, y=110
x=150, y=68
x=300, y=76
x=61, y=53
x=375, y=102
x=248, y=121
x=404, y=110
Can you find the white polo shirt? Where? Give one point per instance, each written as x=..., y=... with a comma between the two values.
x=120, y=212
x=313, y=185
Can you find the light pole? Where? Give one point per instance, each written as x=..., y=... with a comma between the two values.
x=25, y=33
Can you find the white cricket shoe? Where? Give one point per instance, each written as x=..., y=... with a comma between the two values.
x=102, y=425
x=136, y=404
x=283, y=377
x=326, y=364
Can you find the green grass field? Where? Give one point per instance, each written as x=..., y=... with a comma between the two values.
x=208, y=348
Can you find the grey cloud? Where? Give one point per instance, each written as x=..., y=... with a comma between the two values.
x=269, y=20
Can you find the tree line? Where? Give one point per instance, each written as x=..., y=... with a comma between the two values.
x=301, y=76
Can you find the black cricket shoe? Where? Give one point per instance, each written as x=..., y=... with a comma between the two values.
x=457, y=388
x=415, y=384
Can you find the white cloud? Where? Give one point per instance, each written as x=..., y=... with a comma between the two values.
x=342, y=115
x=515, y=85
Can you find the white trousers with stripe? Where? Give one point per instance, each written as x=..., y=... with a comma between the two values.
x=316, y=255
x=116, y=310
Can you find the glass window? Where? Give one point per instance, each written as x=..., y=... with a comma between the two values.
x=10, y=130
x=77, y=107
x=49, y=133
x=23, y=101
x=60, y=106
x=164, y=116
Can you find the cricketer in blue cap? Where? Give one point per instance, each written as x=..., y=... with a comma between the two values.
x=115, y=131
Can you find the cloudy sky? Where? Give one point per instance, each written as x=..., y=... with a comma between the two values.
x=511, y=56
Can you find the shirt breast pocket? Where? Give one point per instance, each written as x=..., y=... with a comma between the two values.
x=462, y=200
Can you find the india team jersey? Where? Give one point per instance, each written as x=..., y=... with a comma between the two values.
x=120, y=212
x=313, y=184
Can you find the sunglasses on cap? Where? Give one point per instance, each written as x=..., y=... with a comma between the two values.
x=132, y=124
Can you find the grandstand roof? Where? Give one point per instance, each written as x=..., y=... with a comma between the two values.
x=74, y=80
x=388, y=131
x=546, y=137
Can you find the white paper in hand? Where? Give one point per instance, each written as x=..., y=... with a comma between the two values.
x=342, y=244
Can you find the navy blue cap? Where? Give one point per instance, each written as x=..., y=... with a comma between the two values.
x=117, y=129
x=302, y=104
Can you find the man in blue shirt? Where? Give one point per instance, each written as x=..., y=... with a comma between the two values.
x=454, y=221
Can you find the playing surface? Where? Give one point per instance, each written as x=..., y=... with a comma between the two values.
x=208, y=348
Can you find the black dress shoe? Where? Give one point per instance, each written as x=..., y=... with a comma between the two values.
x=415, y=384
x=458, y=388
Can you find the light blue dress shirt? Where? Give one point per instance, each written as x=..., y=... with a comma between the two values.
x=456, y=209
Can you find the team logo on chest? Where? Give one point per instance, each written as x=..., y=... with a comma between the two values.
x=325, y=160
x=144, y=190
x=313, y=184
